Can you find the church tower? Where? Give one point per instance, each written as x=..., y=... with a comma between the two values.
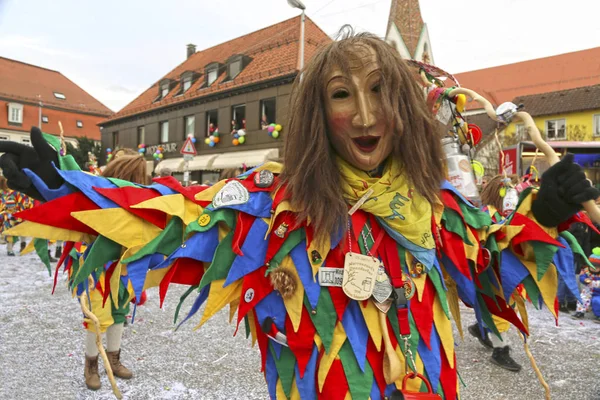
x=407, y=32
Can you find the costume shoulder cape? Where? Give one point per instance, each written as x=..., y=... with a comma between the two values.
x=227, y=242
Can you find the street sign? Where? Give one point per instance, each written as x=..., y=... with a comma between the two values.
x=188, y=157
x=188, y=147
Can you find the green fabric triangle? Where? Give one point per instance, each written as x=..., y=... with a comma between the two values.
x=434, y=276
x=41, y=248
x=544, y=254
x=181, y=300
x=285, y=367
x=323, y=317
x=575, y=247
x=75, y=270
x=360, y=383
x=66, y=162
x=226, y=215
x=165, y=243
x=103, y=250
x=222, y=261
x=475, y=217
x=533, y=292
x=392, y=316
x=492, y=246
x=414, y=338
x=486, y=286
x=454, y=223
x=487, y=317
x=293, y=240
x=122, y=183
x=247, y=326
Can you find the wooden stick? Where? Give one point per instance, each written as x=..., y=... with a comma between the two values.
x=535, y=367
x=107, y=367
x=391, y=362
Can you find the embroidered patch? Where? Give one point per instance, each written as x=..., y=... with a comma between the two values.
x=233, y=193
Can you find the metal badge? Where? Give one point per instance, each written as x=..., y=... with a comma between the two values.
x=383, y=287
x=233, y=193
x=383, y=307
x=331, y=276
x=416, y=269
x=264, y=179
x=315, y=257
x=204, y=220
x=281, y=231
x=360, y=272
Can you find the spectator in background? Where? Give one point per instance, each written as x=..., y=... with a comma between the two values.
x=165, y=172
x=230, y=173
x=581, y=232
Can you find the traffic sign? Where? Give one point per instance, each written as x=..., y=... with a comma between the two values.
x=188, y=147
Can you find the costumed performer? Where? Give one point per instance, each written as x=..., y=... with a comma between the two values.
x=347, y=263
x=590, y=290
x=11, y=202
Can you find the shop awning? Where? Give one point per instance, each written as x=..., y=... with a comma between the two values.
x=251, y=158
x=203, y=162
x=174, y=164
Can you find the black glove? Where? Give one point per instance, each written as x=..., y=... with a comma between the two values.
x=564, y=188
x=38, y=159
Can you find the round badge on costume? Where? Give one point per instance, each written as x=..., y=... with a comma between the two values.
x=204, y=220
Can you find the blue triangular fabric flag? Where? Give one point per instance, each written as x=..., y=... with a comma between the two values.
x=425, y=256
x=436, y=264
x=162, y=189
x=464, y=286
x=86, y=184
x=311, y=287
x=255, y=251
x=272, y=306
x=197, y=303
x=201, y=246
x=375, y=394
x=357, y=332
x=271, y=375
x=448, y=186
x=258, y=205
x=47, y=193
x=565, y=265
x=431, y=358
x=136, y=272
x=307, y=386
x=512, y=272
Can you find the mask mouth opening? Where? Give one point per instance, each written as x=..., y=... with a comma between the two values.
x=366, y=143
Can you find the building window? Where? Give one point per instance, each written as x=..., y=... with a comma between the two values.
x=3, y=137
x=212, y=122
x=15, y=113
x=80, y=124
x=164, y=131
x=212, y=76
x=60, y=96
x=115, y=140
x=26, y=140
x=190, y=124
x=267, y=112
x=141, y=135
x=596, y=125
x=556, y=129
x=235, y=68
x=164, y=90
x=44, y=119
x=519, y=131
x=239, y=117
x=187, y=83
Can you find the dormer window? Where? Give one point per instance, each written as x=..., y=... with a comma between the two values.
x=235, y=65
x=187, y=80
x=164, y=90
x=164, y=87
x=187, y=83
x=212, y=72
x=60, y=96
x=212, y=76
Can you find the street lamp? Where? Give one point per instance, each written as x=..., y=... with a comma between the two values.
x=299, y=5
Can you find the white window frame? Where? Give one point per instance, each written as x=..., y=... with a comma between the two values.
x=15, y=113
x=45, y=119
x=556, y=121
x=187, y=83
x=164, y=91
x=596, y=125
x=80, y=124
x=211, y=76
x=189, y=125
x=164, y=132
x=60, y=96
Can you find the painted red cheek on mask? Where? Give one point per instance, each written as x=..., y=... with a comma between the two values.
x=340, y=122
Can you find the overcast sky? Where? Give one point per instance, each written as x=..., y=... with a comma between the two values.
x=115, y=49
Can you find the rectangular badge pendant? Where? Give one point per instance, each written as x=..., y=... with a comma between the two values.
x=360, y=273
x=331, y=276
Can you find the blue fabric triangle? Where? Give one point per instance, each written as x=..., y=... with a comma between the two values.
x=272, y=306
x=436, y=264
x=197, y=303
x=448, y=186
x=425, y=256
x=307, y=386
x=47, y=193
x=464, y=286
x=311, y=287
x=431, y=358
x=512, y=272
x=357, y=332
x=162, y=189
x=564, y=261
x=201, y=246
x=375, y=393
x=136, y=272
x=255, y=251
x=271, y=375
x=86, y=184
x=259, y=205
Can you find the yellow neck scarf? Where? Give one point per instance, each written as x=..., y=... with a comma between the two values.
x=393, y=200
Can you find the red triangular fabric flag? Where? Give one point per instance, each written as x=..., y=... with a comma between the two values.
x=262, y=287
x=163, y=287
x=189, y=272
x=263, y=341
x=454, y=248
x=336, y=384
x=448, y=377
x=242, y=227
x=188, y=192
x=275, y=242
x=449, y=201
x=422, y=312
x=128, y=196
x=63, y=257
x=503, y=311
x=375, y=359
x=107, y=276
x=531, y=231
x=339, y=299
x=301, y=343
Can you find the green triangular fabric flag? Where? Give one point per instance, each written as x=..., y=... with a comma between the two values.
x=487, y=317
x=454, y=223
x=226, y=215
x=181, y=300
x=475, y=217
x=575, y=247
x=285, y=367
x=293, y=240
x=359, y=383
x=165, y=243
x=103, y=250
x=533, y=292
x=122, y=183
x=41, y=248
x=544, y=254
x=222, y=261
x=434, y=276
x=325, y=317
x=66, y=162
x=247, y=326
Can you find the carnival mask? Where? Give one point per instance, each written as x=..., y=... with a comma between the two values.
x=358, y=130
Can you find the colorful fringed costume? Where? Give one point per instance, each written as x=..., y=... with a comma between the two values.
x=235, y=243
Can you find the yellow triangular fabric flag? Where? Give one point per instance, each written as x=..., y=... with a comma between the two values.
x=339, y=337
x=39, y=231
x=219, y=297
x=444, y=329
x=208, y=194
x=175, y=205
x=295, y=303
x=371, y=315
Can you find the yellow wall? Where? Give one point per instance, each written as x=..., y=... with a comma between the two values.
x=579, y=125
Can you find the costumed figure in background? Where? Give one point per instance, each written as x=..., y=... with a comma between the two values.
x=347, y=263
x=11, y=202
x=590, y=291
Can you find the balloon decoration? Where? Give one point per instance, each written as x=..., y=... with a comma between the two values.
x=158, y=153
x=274, y=130
x=109, y=154
x=239, y=137
x=213, y=139
x=142, y=149
x=93, y=163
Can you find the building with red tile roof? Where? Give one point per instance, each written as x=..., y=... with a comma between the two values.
x=37, y=96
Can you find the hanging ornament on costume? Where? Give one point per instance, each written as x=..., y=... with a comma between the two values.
x=506, y=111
x=460, y=172
x=479, y=171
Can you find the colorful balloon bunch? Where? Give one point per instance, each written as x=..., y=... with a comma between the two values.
x=191, y=136
x=109, y=154
x=214, y=138
x=142, y=148
x=274, y=130
x=158, y=153
x=239, y=137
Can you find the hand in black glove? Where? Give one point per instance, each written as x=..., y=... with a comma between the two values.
x=38, y=159
x=564, y=188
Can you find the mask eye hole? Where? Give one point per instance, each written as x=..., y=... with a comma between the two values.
x=340, y=94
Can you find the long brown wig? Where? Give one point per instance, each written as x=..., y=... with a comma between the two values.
x=131, y=168
x=310, y=170
x=490, y=195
